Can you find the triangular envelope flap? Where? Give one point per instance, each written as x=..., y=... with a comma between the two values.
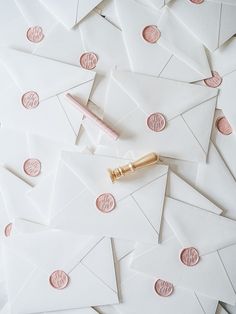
x=104, y=269
x=64, y=10
x=150, y=199
x=154, y=94
x=83, y=290
x=45, y=76
x=180, y=190
x=203, y=114
x=93, y=171
x=228, y=23
x=14, y=194
x=178, y=38
x=168, y=266
x=50, y=249
x=208, y=30
x=85, y=7
x=205, y=231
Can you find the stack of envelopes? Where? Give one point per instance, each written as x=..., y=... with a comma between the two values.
x=145, y=77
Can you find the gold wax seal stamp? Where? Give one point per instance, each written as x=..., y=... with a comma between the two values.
x=143, y=162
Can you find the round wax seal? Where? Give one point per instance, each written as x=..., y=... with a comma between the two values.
x=156, y=122
x=35, y=34
x=223, y=126
x=163, y=288
x=105, y=202
x=59, y=279
x=32, y=167
x=30, y=100
x=189, y=256
x=88, y=60
x=8, y=229
x=197, y=1
x=214, y=81
x=151, y=34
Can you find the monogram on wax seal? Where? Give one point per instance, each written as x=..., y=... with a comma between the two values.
x=156, y=122
x=151, y=34
x=223, y=126
x=214, y=81
x=163, y=288
x=30, y=100
x=88, y=60
x=59, y=279
x=189, y=256
x=32, y=167
x=35, y=34
x=105, y=202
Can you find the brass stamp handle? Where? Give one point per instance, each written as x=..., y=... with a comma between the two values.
x=143, y=162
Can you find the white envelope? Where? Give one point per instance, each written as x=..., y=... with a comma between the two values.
x=29, y=263
x=70, y=12
x=86, y=177
x=138, y=296
x=132, y=98
x=30, y=146
x=217, y=23
x=68, y=45
x=215, y=180
x=223, y=62
x=54, y=117
x=170, y=57
x=209, y=234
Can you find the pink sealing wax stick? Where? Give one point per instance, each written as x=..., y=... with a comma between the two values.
x=89, y=114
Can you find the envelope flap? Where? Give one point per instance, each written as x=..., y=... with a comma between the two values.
x=93, y=172
x=85, y=7
x=45, y=76
x=14, y=192
x=104, y=270
x=180, y=190
x=64, y=10
x=177, y=38
x=207, y=30
x=154, y=94
x=205, y=231
x=49, y=249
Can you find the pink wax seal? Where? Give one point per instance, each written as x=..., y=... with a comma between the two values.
x=30, y=100
x=197, y=1
x=8, y=229
x=223, y=126
x=35, y=34
x=59, y=279
x=214, y=81
x=105, y=202
x=156, y=122
x=88, y=60
x=163, y=288
x=151, y=34
x=32, y=167
x=189, y=256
